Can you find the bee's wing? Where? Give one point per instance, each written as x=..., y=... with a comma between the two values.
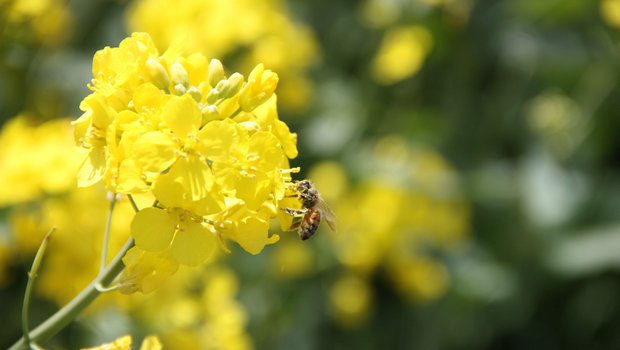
x=327, y=213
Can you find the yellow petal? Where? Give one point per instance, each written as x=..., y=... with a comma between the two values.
x=252, y=235
x=151, y=342
x=217, y=139
x=182, y=115
x=193, y=244
x=122, y=343
x=154, y=151
x=129, y=178
x=188, y=180
x=197, y=178
x=93, y=167
x=153, y=229
x=147, y=98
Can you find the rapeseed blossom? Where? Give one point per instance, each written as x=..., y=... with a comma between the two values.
x=209, y=150
x=246, y=31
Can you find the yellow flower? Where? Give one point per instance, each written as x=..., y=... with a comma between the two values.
x=247, y=227
x=610, y=11
x=124, y=343
x=190, y=240
x=261, y=85
x=351, y=299
x=401, y=54
x=145, y=271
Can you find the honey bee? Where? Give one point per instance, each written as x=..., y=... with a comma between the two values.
x=313, y=208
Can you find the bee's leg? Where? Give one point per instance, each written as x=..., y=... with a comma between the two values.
x=295, y=212
x=295, y=225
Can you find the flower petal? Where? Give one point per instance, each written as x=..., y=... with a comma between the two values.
x=182, y=115
x=193, y=244
x=153, y=229
x=155, y=151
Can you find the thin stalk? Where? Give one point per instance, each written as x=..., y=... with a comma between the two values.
x=133, y=203
x=69, y=312
x=32, y=275
x=106, y=235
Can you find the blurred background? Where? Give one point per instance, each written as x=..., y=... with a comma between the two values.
x=466, y=146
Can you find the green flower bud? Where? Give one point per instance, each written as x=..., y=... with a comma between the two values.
x=179, y=89
x=179, y=75
x=194, y=93
x=234, y=84
x=213, y=96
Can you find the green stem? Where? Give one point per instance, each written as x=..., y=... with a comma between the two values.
x=64, y=316
x=106, y=235
x=31, y=277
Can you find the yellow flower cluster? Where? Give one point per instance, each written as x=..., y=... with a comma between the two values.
x=27, y=151
x=251, y=30
x=208, y=149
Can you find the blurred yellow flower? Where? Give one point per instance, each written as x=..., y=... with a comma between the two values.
x=36, y=159
x=47, y=22
x=198, y=310
x=408, y=204
x=610, y=11
x=292, y=258
x=255, y=31
x=39, y=163
x=124, y=343
x=401, y=54
x=351, y=299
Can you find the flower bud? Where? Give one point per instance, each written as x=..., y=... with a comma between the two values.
x=216, y=72
x=259, y=88
x=157, y=74
x=194, y=93
x=209, y=112
x=179, y=89
x=233, y=85
x=179, y=75
x=213, y=96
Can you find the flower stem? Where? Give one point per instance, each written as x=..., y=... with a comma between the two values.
x=31, y=277
x=106, y=235
x=64, y=316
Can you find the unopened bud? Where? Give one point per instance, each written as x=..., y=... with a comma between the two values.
x=235, y=81
x=194, y=93
x=157, y=74
x=179, y=89
x=213, y=96
x=250, y=126
x=179, y=75
x=216, y=71
x=209, y=112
